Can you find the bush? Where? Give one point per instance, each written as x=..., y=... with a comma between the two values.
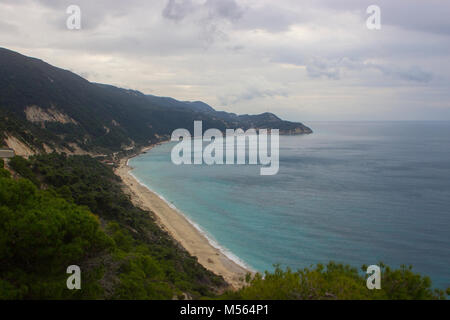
x=22, y=167
x=144, y=262
x=40, y=236
x=336, y=282
x=4, y=173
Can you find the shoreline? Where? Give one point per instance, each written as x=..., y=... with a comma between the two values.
x=180, y=228
x=211, y=241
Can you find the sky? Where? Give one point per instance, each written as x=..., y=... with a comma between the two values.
x=304, y=60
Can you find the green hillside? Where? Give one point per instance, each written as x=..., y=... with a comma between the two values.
x=53, y=109
x=72, y=211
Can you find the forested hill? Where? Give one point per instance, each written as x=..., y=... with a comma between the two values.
x=45, y=108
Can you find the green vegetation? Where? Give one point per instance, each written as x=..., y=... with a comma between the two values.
x=21, y=166
x=123, y=254
x=4, y=173
x=72, y=210
x=336, y=282
x=40, y=236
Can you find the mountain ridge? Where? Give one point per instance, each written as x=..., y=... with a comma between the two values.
x=45, y=108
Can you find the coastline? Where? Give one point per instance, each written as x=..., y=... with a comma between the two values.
x=180, y=228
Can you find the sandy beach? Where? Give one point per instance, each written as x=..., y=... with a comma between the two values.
x=181, y=229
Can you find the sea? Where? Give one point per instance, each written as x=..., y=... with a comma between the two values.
x=357, y=193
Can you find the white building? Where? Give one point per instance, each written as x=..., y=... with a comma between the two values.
x=6, y=153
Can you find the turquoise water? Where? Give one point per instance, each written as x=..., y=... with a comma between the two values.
x=357, y=193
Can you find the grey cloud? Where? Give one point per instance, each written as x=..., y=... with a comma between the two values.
x=213, y=9
x=414, y=73
x=333, y=68
x=94, y=13
x=9, y=28
x=317, y=68
x=226, y=9
x=271, y=17
x=207, y=16
x=241, y=52
x=426, y=16
x=251, y=94
x=429, y=16
x=178, y=10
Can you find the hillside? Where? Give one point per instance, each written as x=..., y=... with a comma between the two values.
x=60, y=211
x=44, y=108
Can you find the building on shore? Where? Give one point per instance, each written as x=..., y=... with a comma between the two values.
x=7, y=153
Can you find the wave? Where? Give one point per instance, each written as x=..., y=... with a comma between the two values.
x=213, y=242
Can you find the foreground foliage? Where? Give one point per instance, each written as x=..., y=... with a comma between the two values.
x=336, y=282
x=122, y=253
x=40, y=236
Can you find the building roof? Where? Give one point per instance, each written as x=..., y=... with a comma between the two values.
x=7, y=153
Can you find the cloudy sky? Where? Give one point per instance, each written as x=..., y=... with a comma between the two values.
x=301, y=59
